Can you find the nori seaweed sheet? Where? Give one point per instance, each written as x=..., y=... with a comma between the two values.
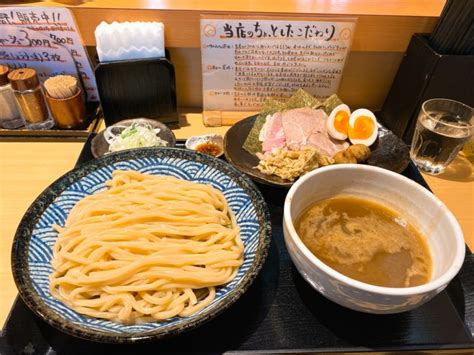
x=252, y=144
x=299, y=99
x=270, y=106
x=330, y=104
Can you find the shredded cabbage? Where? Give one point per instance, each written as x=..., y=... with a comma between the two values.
x=138, y=134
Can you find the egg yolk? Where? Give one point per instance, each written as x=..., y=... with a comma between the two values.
x=362, y=129
x=341, y=122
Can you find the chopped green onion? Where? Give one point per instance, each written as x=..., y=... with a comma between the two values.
x=138, y=134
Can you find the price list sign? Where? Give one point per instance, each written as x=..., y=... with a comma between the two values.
x=47, y=40
x=245, y=61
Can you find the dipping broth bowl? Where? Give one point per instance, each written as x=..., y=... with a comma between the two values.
x=418, y=205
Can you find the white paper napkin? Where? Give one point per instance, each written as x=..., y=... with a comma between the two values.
x=129, y=40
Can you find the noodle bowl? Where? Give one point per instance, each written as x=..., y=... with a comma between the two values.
x=147, y=248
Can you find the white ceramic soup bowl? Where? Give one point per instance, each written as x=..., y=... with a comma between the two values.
x=416, y=204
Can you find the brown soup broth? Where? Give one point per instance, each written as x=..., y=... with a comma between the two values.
x=366, y=241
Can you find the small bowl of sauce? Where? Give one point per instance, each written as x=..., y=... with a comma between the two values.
x=212, y=144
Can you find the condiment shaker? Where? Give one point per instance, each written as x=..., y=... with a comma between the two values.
x=10, y=117
x=30, y=98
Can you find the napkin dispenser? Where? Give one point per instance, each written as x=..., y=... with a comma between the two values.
x=425, y=74
x=135, y=77
x=137, y=88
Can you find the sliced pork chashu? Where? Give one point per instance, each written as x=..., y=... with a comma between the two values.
x=305, y=127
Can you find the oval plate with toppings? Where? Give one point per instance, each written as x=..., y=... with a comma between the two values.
x=388, y=152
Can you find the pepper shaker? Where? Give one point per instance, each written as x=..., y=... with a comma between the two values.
x=10, y=117
x=30, y=98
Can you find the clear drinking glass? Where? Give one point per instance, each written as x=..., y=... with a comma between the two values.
x=442, y=128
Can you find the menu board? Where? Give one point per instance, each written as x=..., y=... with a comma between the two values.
x=46, y=39
x=245, y=61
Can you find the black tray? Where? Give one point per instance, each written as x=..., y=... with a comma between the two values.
x=91, y=125
x=281, y=312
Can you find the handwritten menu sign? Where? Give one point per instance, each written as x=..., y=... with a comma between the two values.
x=46, y=39
x=245, y=61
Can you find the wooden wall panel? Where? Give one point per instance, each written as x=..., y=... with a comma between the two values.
x=382, y=34
x=329, y=7
x=373, y=33
x=187, y=64
x=366, y=80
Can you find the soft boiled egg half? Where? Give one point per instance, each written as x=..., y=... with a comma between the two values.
x=363, y=127
x=338, y=122
x=360, y=126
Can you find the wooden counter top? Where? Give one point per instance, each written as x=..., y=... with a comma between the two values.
x=26, y=169
x=455, y=187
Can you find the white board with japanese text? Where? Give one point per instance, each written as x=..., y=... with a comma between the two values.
x=47, y=40
x=245, y=61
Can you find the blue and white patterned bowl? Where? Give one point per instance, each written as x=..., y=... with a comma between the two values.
x=35, y=238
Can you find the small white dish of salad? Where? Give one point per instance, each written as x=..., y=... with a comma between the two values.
x=130, y=134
